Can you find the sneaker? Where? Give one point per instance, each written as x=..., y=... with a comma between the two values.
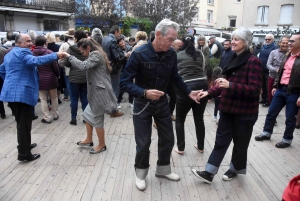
x=282, y=145
x=117, y=114
x=131, y=105
x=171, y=177
x=46, y=122
x=215, y=118
x=203, y=175
x=140, y=184
x=34, y=117
x=229, y=175
x=65, y=98
x=73, y=122
x=119, y=106
x=173, y=117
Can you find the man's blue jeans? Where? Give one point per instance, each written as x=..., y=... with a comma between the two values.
x=160, y=111
x=67, y=89
x=282, y=98
x=78, y=90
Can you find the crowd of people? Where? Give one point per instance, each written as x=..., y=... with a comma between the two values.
x=162, y=74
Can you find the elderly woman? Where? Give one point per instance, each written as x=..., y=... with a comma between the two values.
x=100, y=93
x=191, y=68
x=239, y=90
x=97, y=35
x=202, y=46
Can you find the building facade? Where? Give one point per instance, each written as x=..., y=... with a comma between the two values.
x=278, y=17
x=207, y=14
x=38, y=15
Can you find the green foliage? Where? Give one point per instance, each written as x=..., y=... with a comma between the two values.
x=212, y=63
x=144, y=25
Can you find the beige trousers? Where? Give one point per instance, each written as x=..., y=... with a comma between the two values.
x=43, y=94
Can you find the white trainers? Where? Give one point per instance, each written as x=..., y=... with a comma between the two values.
x=140, y=184
x=215, y=118
x=131, y=105
x=172, y=176
x=119, y=106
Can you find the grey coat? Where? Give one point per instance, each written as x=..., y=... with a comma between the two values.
x=100, y=93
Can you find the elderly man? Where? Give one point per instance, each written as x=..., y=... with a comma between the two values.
x=215, y=47
x=263, y=56
x=285, y=93
x=20, y=89
x=152, y=66
x=177, y=44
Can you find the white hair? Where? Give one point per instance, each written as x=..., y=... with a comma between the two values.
x=245, y=35
x=164, y=26
x=271, y=35
x=32, y=34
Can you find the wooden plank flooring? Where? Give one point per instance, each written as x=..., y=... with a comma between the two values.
x=68, y=172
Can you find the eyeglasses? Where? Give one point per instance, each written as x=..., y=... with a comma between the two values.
x=267, y=39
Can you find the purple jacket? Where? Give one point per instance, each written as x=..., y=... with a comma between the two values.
x=48, y=73
x=244, y=74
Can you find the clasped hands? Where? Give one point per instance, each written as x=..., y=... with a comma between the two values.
x=62, y=55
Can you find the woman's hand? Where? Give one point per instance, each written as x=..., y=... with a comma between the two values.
x=222, y=83
x=202, y=94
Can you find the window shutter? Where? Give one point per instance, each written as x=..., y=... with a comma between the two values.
x=286, y=14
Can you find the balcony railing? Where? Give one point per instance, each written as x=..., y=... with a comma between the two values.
x=53, y=5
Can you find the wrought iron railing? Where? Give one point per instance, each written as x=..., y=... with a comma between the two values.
x=53, y=5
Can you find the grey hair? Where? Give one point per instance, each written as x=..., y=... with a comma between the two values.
x=96, y=31
x=245, y=35
x=32, y=34
x=202, y=37
x=272, y=36
x=282, y=37
x=164, y=26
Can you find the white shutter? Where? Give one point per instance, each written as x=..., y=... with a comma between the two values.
x=286, y=14
x=266, y=14
x=259, y=14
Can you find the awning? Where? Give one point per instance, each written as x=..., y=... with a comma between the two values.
x=205, y=31
x=26, y=10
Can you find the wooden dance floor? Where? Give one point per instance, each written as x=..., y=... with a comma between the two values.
x=68, y=172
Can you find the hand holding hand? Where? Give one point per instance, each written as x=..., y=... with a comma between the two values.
x=194, y=95
x=154, y=94
x=202, y=94
x=60, y=55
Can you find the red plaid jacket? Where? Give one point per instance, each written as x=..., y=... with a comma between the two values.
x=244, y=73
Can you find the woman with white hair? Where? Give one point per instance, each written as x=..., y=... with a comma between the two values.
x=203, y=47
x=239, y=90
x=97, y=35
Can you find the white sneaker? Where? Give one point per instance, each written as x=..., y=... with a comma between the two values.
x=140, y=184
x=119, y=106
x=131, y=105
x=172, y=176
x=215, y=118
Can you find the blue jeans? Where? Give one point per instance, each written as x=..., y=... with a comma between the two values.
x=236, y=128
x=78, y=90
x=282, y=98
x=67, y=90
x=160, y=111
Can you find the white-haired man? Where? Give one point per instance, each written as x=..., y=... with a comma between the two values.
x=152, y=66
x=265, y=51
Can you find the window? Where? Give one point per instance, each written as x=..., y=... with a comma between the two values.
x=210, y=1
x=239, y=1
x=262, y=15
x=286, y=14
x=232, y=22
x=209, y=16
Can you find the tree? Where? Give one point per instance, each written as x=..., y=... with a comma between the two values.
x=101, y=13
x=180, y=11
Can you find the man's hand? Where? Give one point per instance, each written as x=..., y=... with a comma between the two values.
x=273, y=91
x=194, y=95
x=298, y=102
x=154, y=94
